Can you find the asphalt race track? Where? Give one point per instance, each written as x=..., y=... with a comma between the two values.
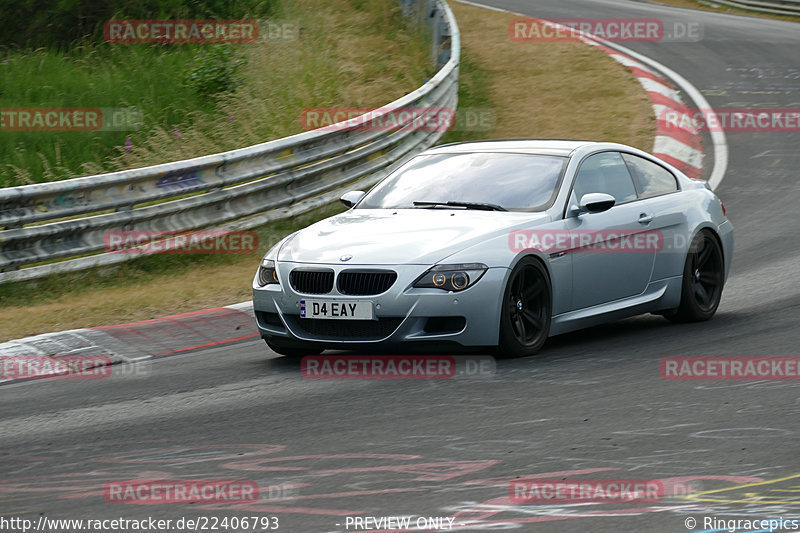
x=592, y=406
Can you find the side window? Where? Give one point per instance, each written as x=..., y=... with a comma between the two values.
x=605, y=172
x=650, y=179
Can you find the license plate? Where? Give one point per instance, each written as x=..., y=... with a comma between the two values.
x=337, y=310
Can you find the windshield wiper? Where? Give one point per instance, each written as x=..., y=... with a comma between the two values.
x=468, y=205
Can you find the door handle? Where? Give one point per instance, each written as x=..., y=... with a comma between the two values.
x=644, y=218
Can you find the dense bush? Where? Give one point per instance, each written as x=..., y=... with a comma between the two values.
x=46, y=23
x=214, y=70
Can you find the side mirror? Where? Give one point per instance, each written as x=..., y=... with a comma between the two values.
x=594, y=202
x=351, y=198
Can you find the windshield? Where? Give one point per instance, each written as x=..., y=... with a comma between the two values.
x=525, y=182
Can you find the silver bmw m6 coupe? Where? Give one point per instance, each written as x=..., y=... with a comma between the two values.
x=498, y=244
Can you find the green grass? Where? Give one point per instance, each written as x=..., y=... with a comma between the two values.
x=146, y=77
x=350, y=53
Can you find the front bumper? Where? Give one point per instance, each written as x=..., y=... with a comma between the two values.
x=404, y=314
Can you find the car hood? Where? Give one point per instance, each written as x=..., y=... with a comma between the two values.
x=399, y=236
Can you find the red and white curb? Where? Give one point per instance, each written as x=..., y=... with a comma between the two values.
x=139, y=341
x=677, y=141
x=681, y=147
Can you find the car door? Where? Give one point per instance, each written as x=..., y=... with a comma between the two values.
x=658, y=189
x=608, y=270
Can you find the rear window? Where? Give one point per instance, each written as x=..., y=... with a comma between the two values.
x=650, y=179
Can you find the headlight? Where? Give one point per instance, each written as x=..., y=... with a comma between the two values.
x=451, y=277
x=266, y=273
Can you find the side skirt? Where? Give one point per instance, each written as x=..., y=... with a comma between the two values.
x=658, y=296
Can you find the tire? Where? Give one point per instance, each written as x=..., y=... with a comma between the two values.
x=525, y=311
x=703, y=279
x=291, y=348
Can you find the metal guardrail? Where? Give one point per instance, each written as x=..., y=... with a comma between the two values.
x=778, y=7
x=63, y=223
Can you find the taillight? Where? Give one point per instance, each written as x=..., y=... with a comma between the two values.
x=724, y=211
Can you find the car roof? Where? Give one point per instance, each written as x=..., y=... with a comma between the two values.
x=563, y=147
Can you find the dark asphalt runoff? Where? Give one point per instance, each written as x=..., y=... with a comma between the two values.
x=592, y=406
